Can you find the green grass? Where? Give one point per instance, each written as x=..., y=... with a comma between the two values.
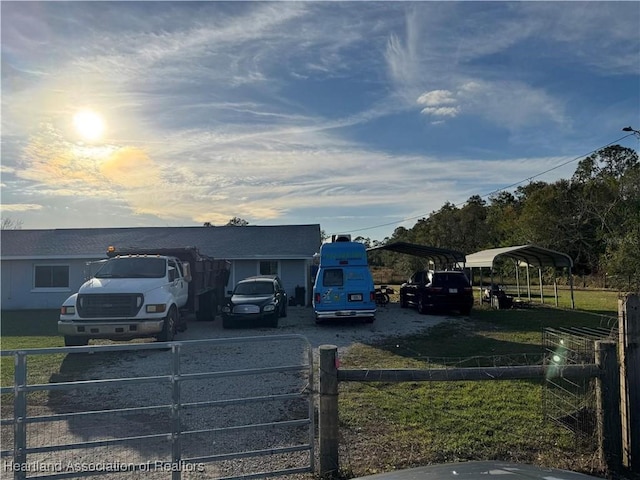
x=30, y=329
x=388, y=426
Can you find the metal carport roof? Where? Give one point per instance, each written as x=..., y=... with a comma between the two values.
x=440, y=256
x=527, y=254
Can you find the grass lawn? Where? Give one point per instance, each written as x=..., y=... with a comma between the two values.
x=30, y=329
x=388, y=426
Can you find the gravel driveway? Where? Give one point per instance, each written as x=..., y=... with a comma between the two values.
x=257, y=348
x=390, y=321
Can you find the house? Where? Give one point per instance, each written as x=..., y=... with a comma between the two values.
x=41, y=268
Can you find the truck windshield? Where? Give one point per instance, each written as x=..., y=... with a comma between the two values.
x=133, y=268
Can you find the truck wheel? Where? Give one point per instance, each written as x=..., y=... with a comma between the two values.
x=422, y=308
x=73, y=341
x=403, y=302
x=169, y=326
x=226, y=322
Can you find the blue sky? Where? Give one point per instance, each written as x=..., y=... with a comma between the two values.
x=359, y=116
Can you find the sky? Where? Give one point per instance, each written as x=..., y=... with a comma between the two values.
x=359, y=116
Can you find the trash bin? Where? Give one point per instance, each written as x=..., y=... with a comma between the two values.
x=300, y=291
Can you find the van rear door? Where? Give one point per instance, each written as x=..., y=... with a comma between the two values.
x=344, y=288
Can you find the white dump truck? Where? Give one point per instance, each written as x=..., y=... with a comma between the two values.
x=144, y=293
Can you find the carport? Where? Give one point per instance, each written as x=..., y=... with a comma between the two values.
x=524, y=256
x=441, y=257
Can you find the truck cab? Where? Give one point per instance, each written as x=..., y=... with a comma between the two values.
x=129, y=296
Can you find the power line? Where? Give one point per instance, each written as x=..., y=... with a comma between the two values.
x=503, y=188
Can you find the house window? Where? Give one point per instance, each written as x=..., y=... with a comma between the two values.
x=51, y=276
x=269, y=267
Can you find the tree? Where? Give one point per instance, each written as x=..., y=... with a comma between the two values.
x=502, y=215
x=10, y=224
x=474, y=230
x=237, y=222
x=608, y=208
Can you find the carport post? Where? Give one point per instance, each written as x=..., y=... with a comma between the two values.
x=328, y=414
x=573, y=302
x=540, y=280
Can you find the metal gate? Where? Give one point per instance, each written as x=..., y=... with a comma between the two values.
x=571, y=402
x=216, y=408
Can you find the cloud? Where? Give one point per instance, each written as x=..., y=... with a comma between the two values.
x=436, y=97
x=224, y=113
x=132, y=168
x=20, y=207
x=494, y=102
x=441, y=111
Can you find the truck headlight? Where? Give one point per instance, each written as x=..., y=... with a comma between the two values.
x=68, y=310
x=226, y=309
x=269, y=308
x=156, y=308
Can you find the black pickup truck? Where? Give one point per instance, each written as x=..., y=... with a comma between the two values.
x=437, y=291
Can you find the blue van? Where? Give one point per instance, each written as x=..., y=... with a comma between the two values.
x=344, y=286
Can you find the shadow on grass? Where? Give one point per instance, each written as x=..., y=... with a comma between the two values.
x=535, y=319
x=29, y=323
x=460, y=344
x=489, y=337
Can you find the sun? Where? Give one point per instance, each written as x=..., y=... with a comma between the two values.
x=89, y=125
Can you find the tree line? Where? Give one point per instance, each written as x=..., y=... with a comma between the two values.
x=594, y=217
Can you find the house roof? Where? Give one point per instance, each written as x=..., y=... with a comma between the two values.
x=527, y=254
x=230, y=243
x=439, y=256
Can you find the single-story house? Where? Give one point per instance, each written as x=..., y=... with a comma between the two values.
x=41, y=268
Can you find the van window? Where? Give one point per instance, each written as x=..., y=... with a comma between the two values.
x=333, y=277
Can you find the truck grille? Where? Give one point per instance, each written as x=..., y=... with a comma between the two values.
x=109, y=305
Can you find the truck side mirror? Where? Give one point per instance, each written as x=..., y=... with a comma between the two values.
x=186, y=268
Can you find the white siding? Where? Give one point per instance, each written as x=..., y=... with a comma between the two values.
x=18, y=292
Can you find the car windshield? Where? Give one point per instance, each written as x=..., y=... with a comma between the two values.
x=254, y=288
x=133, y=268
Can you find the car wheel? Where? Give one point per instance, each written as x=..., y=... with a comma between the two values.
x=284, y=310
x=73, y=341
x=169, y=326
x=403, y=302
x=226, y=322
x=273, y=321
x=369, y=319
x=422, y=308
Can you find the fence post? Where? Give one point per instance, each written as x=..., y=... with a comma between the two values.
x=608, y=406
x=20, y=416
x=328, y=415
x=629, y=353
